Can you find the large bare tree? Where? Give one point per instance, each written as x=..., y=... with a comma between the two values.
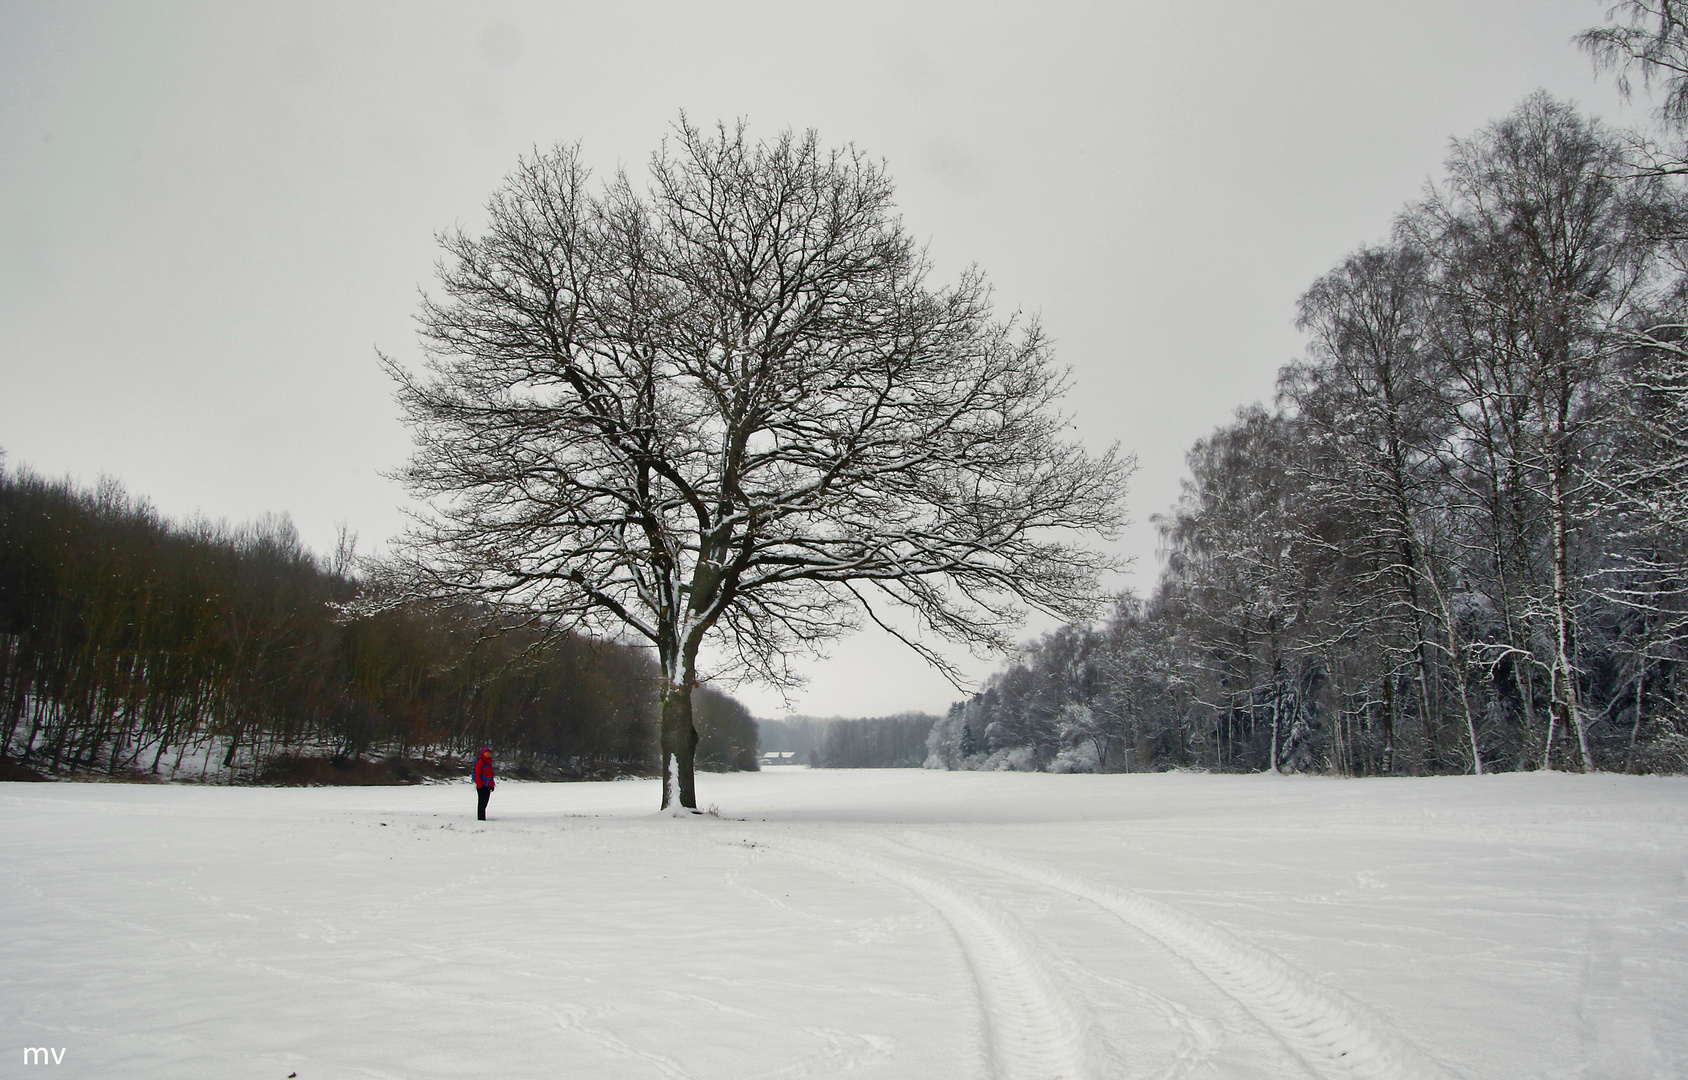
x=729, y=407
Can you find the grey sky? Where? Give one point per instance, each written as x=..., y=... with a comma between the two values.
x=211, y=215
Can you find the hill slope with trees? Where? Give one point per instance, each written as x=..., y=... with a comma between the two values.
x=133, y=645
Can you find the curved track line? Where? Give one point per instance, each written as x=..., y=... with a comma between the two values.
x=1198, y=1038
x=1035, y=1027
x=1337, y=1039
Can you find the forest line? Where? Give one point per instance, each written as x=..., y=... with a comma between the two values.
x=1458, y=539
x=133, y=645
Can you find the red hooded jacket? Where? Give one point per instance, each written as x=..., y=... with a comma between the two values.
x=483, y=771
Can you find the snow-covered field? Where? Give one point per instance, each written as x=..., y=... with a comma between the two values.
x=903, y=924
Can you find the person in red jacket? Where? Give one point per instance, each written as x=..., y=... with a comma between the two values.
x=483, y=781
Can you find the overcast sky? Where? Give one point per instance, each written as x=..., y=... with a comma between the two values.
x=212, y=215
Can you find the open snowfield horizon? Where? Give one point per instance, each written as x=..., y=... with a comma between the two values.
x=895, y=923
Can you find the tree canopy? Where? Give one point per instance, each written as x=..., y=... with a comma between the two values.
x=730, y=407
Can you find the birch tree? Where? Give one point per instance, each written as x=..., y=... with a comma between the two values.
x=1649, y=39
x=730, y=408
x=1542, y=264
x=1371, y=402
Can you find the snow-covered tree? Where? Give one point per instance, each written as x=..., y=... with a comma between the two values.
x=1458, y=543
x=1542, y=259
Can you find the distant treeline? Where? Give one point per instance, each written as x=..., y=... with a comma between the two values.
x=131, y=643
x=1458, y=542
x=800, y=735
x=880, y=742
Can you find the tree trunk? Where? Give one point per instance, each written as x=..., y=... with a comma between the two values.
x=679, y=734
x=1635, y=728
x=1387, y=766
x=1410, y=573
x=1456, y=652
x=234, y=748
x=1565, y=696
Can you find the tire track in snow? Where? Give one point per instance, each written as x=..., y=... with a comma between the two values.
x=1198, y=1037
x=1336, y=1039
x=1036, y=1029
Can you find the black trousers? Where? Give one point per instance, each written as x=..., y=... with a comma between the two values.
x=482, y=794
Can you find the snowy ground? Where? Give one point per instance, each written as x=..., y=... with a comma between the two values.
x=898, y=924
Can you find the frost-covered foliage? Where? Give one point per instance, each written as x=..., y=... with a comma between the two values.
x=1082, y=737
x=1457, y=542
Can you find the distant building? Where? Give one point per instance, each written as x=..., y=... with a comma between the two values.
x=780, y=757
